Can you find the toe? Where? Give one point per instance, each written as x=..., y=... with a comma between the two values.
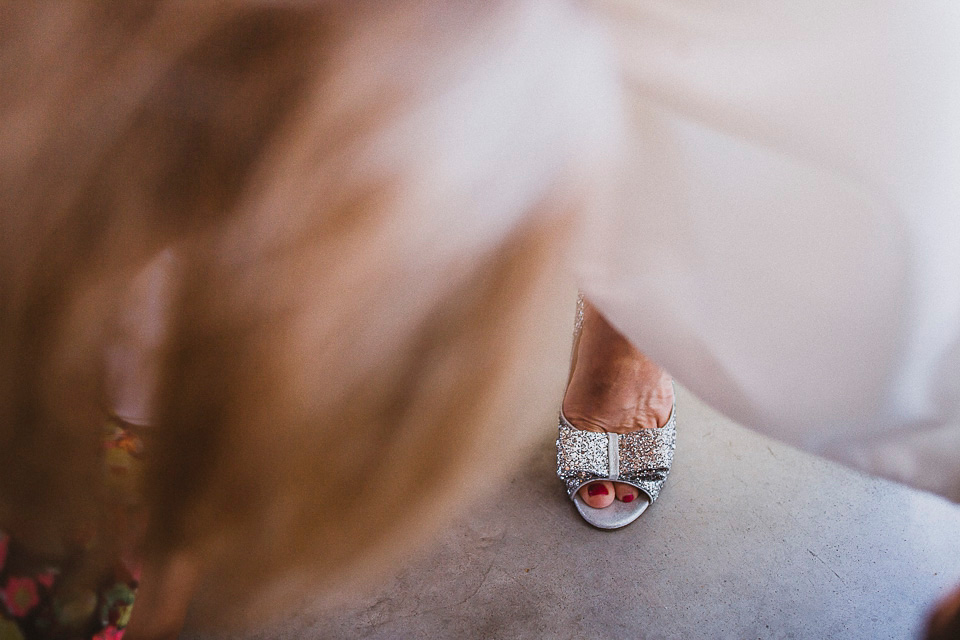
x=598, y=494
x=625, y=493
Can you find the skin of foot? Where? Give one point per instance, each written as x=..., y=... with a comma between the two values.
x=613, y=388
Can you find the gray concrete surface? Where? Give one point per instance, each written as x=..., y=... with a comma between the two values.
x=750, y=539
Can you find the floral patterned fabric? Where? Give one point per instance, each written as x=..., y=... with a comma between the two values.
x=40, y=600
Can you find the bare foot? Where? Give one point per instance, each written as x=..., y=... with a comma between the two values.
x=614, y=388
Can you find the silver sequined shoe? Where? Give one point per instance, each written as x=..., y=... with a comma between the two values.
x=641, y=459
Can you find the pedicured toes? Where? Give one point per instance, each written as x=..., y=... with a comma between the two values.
x=625, y=492
x=598, y=494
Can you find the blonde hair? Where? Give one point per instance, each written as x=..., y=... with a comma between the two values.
x=368, y=202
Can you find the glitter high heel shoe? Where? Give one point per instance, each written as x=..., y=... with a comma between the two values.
x=641, y=459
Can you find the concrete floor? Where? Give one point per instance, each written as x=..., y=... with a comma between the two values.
x=750, y=539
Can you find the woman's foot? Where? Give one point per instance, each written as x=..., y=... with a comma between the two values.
x=613, y=389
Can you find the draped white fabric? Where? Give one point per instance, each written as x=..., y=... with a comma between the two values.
x=785, y=235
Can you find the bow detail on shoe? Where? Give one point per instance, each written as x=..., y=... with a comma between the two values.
x=641, y=459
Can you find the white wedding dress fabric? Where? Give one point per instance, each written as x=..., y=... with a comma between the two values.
x=780, y=228
x=783, y=234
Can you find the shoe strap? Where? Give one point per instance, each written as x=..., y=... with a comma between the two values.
x=613, y=455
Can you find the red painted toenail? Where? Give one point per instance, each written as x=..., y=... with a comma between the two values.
x=628, y=497
x=597, y=489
